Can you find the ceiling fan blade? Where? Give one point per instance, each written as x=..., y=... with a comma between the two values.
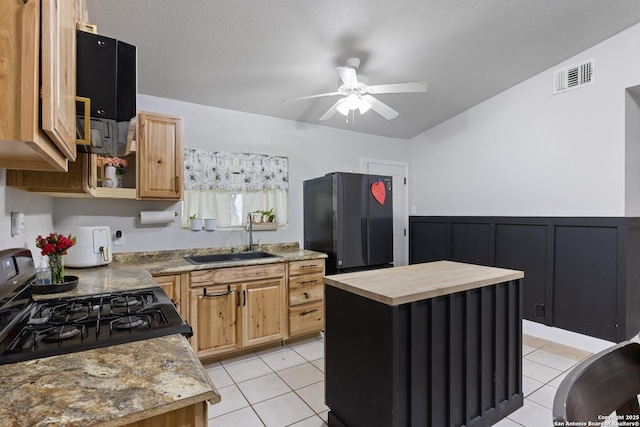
x=398, y=88
x=332, y=111
x=320, y=95
x=348, y=75
x=381, y=108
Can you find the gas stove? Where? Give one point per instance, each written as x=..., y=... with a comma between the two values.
x=33, y=329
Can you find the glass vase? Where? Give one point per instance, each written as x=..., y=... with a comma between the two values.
x=56, y=265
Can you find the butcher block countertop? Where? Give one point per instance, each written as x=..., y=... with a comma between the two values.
x=107, y=387
x=401, y=285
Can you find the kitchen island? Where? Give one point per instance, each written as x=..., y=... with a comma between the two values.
x=427, y=344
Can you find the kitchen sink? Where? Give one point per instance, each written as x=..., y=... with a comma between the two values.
x=238, y=256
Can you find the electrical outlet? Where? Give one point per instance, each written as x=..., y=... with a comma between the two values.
x=118, y=238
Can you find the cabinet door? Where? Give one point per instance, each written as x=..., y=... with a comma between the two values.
x=58, y=74
x=262, y=312
x=159, y=157
x=213, y=317
x=171, y=286
x=23, y=144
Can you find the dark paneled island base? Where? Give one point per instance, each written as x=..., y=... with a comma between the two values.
x=431, y=358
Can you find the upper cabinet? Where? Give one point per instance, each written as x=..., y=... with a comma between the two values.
x=37, y=82
x=154, y=171
x=58, y=75
x=159, y=157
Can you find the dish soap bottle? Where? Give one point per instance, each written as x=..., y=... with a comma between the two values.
x=43, y=274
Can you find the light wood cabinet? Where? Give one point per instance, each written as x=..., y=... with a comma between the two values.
x=237, y=307
x=160, y=157
x=58, y=74
x=213, y=315
x=74, y=183
x=262, y=312
x=306, y=297
x=161, y=154
x=172, y=286
x=37, y=82
x=190, y=416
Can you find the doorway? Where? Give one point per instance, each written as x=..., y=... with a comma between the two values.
x=398, y=171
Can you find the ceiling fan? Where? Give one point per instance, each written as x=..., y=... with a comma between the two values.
x=357, y=93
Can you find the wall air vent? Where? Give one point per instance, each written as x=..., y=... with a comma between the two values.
x=574, y=76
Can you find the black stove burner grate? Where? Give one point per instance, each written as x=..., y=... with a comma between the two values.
x=65, y=325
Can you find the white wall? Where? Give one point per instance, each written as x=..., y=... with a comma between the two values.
x=526, y=152
x=523, y=152
x=312, y=151
x=37, y=217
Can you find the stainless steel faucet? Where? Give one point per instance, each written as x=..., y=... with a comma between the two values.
x=250, y=230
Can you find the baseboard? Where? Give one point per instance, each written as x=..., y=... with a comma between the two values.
x=572, y=339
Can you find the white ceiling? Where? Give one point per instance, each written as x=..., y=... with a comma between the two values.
x=248, y=55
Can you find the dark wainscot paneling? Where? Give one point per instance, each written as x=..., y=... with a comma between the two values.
x=581, y=274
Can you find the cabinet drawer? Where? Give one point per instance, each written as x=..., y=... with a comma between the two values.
x=304, y=289
x=236, y=274
x=306, y=318
x=306, y=267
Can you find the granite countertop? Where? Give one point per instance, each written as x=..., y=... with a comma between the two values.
x=104, y=279
x=111, y=386
x=120, y=384
x=135, y=270
x=173, y=262
x=401, y=285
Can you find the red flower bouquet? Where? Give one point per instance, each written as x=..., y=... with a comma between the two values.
x=54, y=246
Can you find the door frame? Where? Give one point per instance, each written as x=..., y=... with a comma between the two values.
x=364, y=163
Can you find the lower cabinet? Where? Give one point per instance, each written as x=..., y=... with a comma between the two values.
x=213, y=315
x=172, y=286
x=234, y=308
x=190, y=416
x=262, y=312
x=306, y=296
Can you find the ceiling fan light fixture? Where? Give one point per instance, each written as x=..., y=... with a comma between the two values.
x=342, y=108
x=357, y=93
x=353, y=102
x=364, y=106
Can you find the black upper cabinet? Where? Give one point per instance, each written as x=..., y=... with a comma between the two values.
x=106, y=73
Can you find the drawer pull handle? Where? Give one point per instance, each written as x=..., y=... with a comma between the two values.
x=308, y=312
x=205, y=295
x=308, y=281
x=307, y=266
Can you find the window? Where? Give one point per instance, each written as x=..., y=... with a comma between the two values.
x=227, y=186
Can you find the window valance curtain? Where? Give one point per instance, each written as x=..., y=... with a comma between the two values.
x=220, y=170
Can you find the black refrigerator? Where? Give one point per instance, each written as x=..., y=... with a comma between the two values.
x=349, y=217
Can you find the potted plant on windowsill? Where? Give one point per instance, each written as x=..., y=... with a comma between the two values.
x=264, y=220
x=195, y=223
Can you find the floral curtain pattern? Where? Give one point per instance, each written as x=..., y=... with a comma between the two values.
x=227, y=186
x=220, y=170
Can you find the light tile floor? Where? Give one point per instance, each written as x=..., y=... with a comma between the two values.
x=284, y=386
